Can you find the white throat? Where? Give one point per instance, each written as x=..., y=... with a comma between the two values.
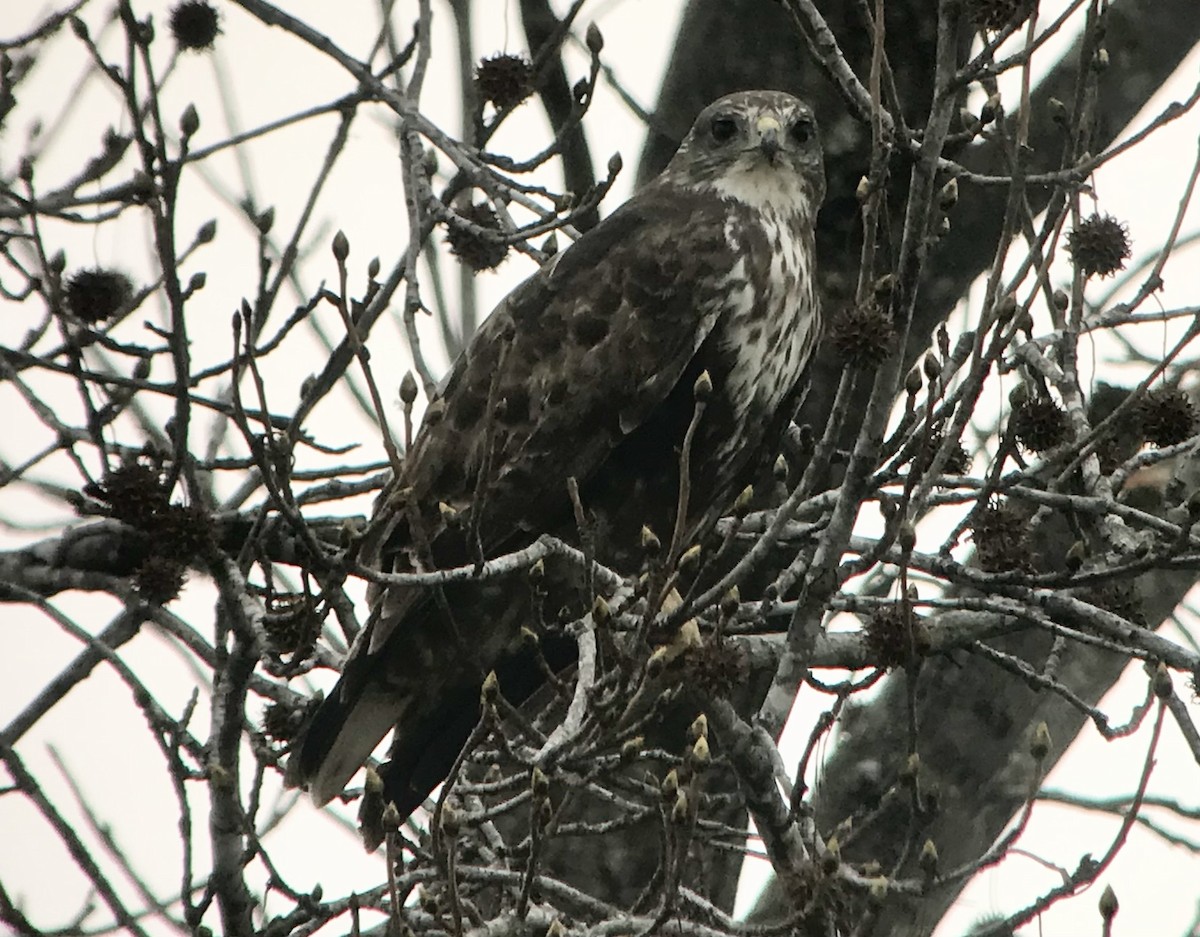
x=762, y=187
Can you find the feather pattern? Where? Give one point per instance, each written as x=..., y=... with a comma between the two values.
x=585, y=371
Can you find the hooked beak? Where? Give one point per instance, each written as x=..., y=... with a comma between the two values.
x=769, y=133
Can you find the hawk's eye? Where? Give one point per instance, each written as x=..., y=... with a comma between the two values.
x=801, y=131
x=723, y=129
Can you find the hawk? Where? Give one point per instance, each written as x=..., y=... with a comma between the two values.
x=586, y=371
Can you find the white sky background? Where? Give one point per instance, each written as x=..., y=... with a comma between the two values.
x=102, y=738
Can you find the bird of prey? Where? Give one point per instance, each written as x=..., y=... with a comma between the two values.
x=586, y=371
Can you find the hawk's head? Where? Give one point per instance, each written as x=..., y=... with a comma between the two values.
x=759, y=147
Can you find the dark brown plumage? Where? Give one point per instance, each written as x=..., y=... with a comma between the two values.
x=586, y=371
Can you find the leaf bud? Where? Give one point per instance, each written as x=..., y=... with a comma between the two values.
x=594, y=39
x=928, y=860
x=991, y=108
x=490, y=690
x=948, y=196
x=689, y=559
x=1109, y=906
x=189, y=123
x=670, y=785
x=912, y=383
x=679, y=813
x=408, y=389
x=451, y=820
x=831, y=856
x=341, y=247
x=1039, y=747
x=1162, y=682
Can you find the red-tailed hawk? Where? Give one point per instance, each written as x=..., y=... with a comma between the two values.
x=586, y=371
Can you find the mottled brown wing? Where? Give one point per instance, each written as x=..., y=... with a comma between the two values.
x=574, y=360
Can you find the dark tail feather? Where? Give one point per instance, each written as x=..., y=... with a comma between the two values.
x=421, y=758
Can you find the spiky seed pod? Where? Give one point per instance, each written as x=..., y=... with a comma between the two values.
x=195, y=25
x=994, y=15
x=895, y=635
x=478, y=251
x=1001, y=544
x=714, y=668
x=291, y=623
x=279, y=722
x=1099, y=245
x=183, y=532
x=158, y=579
x=504, y=79
x=958, y=462
x=134, y=493
x=863, y=334
x=96, y=294
x=1167, y=416
x=1120, y=598
x=1039, y=423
